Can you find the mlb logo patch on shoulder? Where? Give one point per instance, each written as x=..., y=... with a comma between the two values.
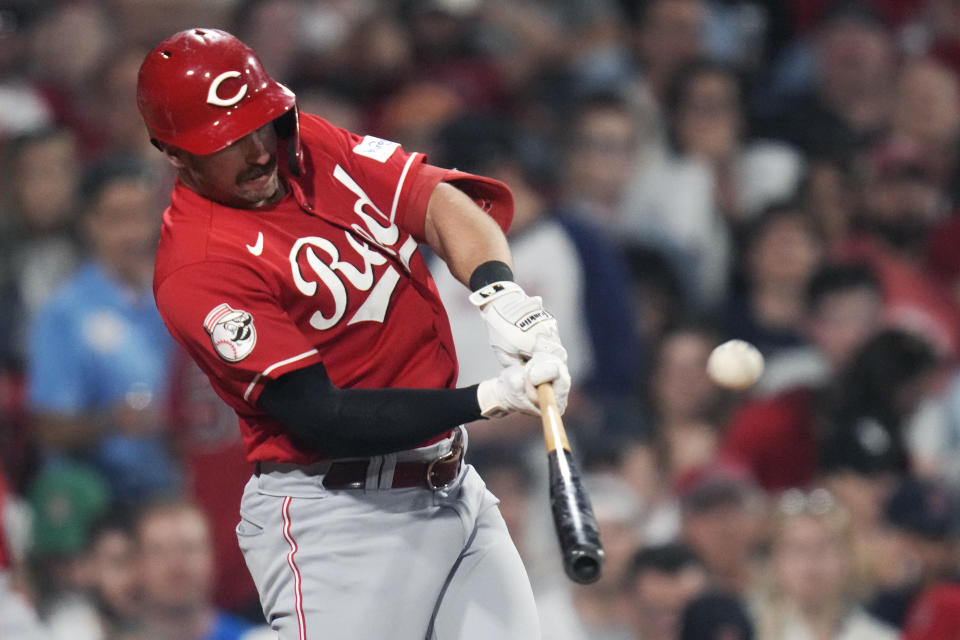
x=376, y=148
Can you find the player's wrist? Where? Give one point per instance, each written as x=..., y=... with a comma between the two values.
x=488, y=398
x=514, y=320
x=490, y=272
x=509, y=392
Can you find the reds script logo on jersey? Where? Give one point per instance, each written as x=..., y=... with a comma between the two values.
x=329, y=267
x=231, y=331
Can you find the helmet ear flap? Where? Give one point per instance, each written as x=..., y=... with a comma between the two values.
x=288, y=131
x=285, y=125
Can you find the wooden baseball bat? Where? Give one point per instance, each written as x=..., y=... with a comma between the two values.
x=572, y=514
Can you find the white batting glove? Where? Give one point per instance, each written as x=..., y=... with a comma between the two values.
x=506, y=394
x=515, y=389
x=514, y=321
x=549, y=364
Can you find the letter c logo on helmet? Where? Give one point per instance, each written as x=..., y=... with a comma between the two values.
x=213, y=98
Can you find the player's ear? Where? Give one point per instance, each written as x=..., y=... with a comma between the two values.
x=174, y=155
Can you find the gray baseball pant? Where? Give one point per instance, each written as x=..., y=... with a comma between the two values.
x=380, y=563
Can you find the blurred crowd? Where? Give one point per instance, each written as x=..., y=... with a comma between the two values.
x=785, y=172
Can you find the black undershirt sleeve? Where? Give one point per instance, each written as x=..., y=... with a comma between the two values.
x=363, y=422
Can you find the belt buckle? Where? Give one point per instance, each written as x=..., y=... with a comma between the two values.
x=456, y=451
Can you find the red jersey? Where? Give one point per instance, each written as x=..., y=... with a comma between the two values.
x=331, y=274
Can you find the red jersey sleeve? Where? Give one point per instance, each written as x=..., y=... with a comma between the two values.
x=232, y=325
x=400, y=183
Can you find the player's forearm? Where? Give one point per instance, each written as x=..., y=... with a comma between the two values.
x=461, y=233
x=363, y=422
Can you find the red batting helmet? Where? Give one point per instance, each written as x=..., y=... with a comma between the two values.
x=203, y=89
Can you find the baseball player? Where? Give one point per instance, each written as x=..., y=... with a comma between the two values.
x=289, y=268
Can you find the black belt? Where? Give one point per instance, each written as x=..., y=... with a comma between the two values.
x=352, y=474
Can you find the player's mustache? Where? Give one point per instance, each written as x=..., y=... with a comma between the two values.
x=255, y=172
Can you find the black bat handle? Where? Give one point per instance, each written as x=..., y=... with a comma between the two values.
x=573, y=517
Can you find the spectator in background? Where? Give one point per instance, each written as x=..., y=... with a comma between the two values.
x=40, y=245
x=113, y=573
x=602, y=138
x=850, y=102
x=944, y=447
x=656, y=293
x=641, y=465
x=695, y=193
x=861, y=476
x=99, y=353
x=375, y=59
x=23, y=109
x=707, y=124
x=119, y=126
x=209, y=447
x=619, y=511
x=877, y=395
x=843, y=307
x=332, y=100
x=715, y=615
x=174, y=559
x=66, y=499
x=659, y=583
x=722, y=512
x=781, y=250
x=686, y=406
x=109, y=599
x=922, y=519
x=829, y=194
x=811, y=589
x=901, y=202
x=686, y=410
x=18, y=619
x=68, y=45
x=901, y=205
x=926, y=115
x=670, y=34
x=275, y=29
x=779, y=439
x=586, y=39
x=448, y=53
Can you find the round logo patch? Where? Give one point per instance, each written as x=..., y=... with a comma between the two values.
x=231, y=331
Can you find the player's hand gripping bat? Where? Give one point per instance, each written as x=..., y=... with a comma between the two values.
x=572, y=514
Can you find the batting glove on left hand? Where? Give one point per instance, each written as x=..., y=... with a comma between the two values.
x=515, y=389
x=506, y=394
x=514, y=320
x=549, y=364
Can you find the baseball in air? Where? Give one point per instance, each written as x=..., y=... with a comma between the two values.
x=735, y=365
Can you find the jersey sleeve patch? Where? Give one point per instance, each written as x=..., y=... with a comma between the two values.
x=231, y=332
x=376, y=148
